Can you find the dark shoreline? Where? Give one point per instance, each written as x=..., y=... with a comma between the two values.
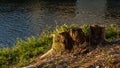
x=27, y=1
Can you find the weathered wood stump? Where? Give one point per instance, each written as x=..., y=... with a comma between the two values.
x=77, y=35
x=96, y=35
x=62, y=41
x=67, y=40
x=75, y=41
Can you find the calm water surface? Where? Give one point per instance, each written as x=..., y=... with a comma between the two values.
x=28, y=19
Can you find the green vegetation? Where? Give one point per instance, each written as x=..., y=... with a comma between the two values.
x=112, y=32
x=24, y=52
x=64, y=28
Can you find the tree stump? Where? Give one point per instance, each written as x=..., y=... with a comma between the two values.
x=62, y=41
x=77, y=35
x=67, y=40
x=96, y=34
x=75, y=41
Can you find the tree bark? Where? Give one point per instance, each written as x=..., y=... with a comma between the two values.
x=77, y=35
x=96, y=34
x=62, y=41
x=67, y=40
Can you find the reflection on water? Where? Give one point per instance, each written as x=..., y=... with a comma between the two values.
x=25, y=20
x=90, y=11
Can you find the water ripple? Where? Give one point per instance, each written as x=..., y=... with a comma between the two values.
x=25, y=20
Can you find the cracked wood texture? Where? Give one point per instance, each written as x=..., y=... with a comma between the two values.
x=68, y=39
x=96, y=34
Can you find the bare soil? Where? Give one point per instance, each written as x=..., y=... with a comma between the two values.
x=103, y=56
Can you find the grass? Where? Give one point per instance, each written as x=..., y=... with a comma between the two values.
x=24, y=51
x=112, y=32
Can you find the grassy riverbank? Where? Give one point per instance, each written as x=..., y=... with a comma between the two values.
x=24, y=52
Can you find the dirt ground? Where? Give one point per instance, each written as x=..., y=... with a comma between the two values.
x=103, y=56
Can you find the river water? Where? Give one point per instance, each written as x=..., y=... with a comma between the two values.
x=30, y=19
